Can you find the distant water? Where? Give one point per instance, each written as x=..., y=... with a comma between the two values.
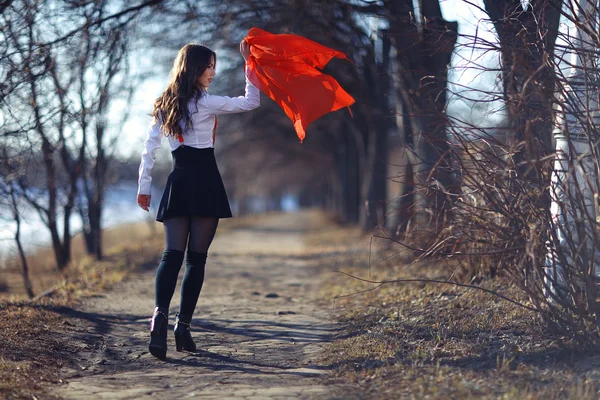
x=120, y=207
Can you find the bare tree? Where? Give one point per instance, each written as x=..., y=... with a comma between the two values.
x=526, y=210
x=24, y=264
x=10, y=166
x=111, y=48
x=59, y=65
x=424, y=42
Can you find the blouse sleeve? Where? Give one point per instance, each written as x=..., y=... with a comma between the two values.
x=151, y=145
x=226, y=105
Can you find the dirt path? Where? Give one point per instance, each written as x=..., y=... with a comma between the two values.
x=256, y=325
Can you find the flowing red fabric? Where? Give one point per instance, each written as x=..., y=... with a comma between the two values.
x=284, y=67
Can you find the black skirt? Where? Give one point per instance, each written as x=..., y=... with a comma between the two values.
x=194, y=187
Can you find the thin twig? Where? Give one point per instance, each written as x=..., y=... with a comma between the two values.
x=465, y=285
x=103, y=20
x=54, y=289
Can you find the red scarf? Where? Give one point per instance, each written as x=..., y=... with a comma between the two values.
x=284, y=67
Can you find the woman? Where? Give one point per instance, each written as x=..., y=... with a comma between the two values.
x=194, y=198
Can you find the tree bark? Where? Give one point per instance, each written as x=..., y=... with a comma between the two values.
x=349, y=161
x=527, y=40
x=382, y=122
x=24, y=263
x=424, y=49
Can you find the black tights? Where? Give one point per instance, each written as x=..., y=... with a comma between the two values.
x=195, y=233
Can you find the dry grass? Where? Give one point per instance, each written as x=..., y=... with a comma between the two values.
x=33, y=335
x=125, y=248
x=417, y=340
x=24, y=373
x=45, y=275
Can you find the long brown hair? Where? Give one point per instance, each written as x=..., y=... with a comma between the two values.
x=171, y=107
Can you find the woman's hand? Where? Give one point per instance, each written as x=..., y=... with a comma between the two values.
x=245, y=49
x=143, y=201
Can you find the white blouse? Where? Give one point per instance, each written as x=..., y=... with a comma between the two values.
x=202, y=114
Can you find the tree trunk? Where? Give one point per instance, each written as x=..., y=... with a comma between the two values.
x=527, y=40
x=97, y=200
x=423, y=53
x=349, y=161
x=572, y=259
x=375, y=174
x=24, y=264
x=60, y=257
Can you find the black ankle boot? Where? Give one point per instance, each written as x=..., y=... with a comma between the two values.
x=158, y=333
x=183, y=337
